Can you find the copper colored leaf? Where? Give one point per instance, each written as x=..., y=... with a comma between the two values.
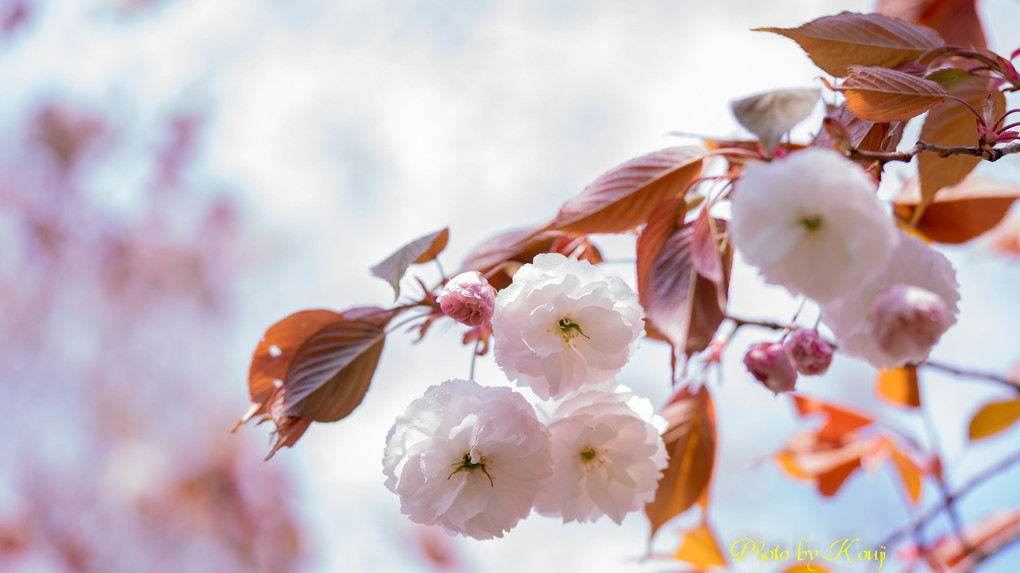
x=826, y=462
x=681, y=303
x=899, y=386
x=955, y=20
x=499, y=257
x=624, y=197
x=863, y=134
x=690, y=441
x=274, y=352
x=839, y=421
x=880, y=94
x=330, y=373
x=772, y=114
x=421, y=250
x=960, y=212
x=951, y=124
x=836, y=42
x=909, y=472
x=984, y=537
x=288, y=431
x=700, y=548
x=993, y=418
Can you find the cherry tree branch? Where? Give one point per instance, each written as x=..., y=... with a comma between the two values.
x=993, y=154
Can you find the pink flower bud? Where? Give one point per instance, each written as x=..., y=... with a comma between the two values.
x=906, y=321
x=468, y=298
x=810, y=354
x=771, y=366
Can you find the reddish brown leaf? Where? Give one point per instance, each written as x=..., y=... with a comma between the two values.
x=421, y=250
x=274, y=352
x=952, y=124
x=681, y=303
x=955, y=20
x=690, y=441
x=899, y=386
x=986, y=536
x=700, y=548
x=839, y=421
x=624, y=197
x=836, y=42
x=993, y=418
x=288, y=431
x=330, y=373
x=499, y=257
x=960, y=212
x=861, y=133
x=882, y=95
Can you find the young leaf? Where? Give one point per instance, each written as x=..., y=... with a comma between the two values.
x=700, y=548
x=330, y=373
x=951, y=124
x=955, y=20
x=909, y=471
x=863, y=134
x=624, y=197
x=681, y=303
x=274, y=353
x=960, y=212
x=421, y=250
x=690, y=441
x=899, y=386
x=772, y=114
x=993, y=418
x=836, y=42
x=839, y=421
x=881, y=94
x=499, y=257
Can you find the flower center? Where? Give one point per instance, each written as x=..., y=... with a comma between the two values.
x=467, y=465
x=811, y=222
x=591, y=458
x=569, y=330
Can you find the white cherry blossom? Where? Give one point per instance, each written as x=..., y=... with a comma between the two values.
x=469, y=458
x=912, y=263
x=607, y=456
x=811, y=222
x=563, y=324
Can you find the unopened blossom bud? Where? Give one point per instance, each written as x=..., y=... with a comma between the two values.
x=907, y=320
x=810, y=354
x=468, y=298
x=769, y=363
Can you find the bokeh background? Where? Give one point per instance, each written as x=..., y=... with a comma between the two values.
x=177, y=175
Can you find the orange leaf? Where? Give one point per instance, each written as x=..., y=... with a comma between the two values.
x=680, y=302
x=836, y=42
x=421, y=250
x=985, y=536
x=910, y=473
x=881, y=94
x=955, y=20
x=700, y=548
x=993, y=418
x=960, y=212
x=826, y=462
x=624, y=197
x=899, y=386
x=839, y=421
x=690, y=441
x=274, y=352
x=952, y=124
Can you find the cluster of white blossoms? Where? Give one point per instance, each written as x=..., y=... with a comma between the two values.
x=476, y=460
x=812, y=223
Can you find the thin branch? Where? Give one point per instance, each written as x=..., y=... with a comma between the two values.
x=975, y=481
x=971, y=373
x=993, y=154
